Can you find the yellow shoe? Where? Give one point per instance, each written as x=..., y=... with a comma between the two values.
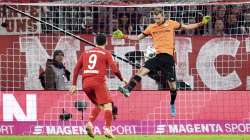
x=89, y=128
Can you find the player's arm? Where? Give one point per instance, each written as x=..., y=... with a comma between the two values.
x=77, y=69
x=136, y=38
x=204, y=21
x=120, y=35
x=191, y=26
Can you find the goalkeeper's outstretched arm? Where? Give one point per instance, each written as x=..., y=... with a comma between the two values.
x=204, y=21
x=136, y=38
x=191, y=26
x=119, y=35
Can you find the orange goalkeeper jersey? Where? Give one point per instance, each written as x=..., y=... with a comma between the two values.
x=163, y=36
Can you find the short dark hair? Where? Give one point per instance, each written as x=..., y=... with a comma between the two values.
x=100, y=39
x=158, y=11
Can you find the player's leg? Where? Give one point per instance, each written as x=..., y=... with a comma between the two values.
x=168, y=70
x=173, y=90
x=94, y=113
x=108, y=120
x=173, y=94
x=97, y=109
x=134, y=80
x=103, y=98
x=89, y=90
x=150, y=65
x=92, y=117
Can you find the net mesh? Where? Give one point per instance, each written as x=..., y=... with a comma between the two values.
x=209, y=59
x=231, y=20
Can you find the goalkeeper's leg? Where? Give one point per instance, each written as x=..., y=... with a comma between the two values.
x=150, y=65
x=137, y=78
x=132, y=83
x=168, y=69
x=173, y=91
x=173, y=94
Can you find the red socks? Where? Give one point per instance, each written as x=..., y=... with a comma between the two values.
x=108, y=118
x=94, y=113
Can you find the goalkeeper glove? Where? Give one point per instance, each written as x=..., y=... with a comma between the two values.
x=206, y=19
x=118, y=34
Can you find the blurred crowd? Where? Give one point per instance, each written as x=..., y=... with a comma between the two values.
x=227, y=19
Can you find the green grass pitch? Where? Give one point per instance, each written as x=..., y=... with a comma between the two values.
x=132, y=137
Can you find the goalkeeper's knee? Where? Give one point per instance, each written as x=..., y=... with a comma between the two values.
x=173, y=91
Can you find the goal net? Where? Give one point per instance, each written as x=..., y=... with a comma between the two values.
x=212, y=64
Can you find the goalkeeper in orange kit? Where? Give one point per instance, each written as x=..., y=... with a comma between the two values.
x=162, y=33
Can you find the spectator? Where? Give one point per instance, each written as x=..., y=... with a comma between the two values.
x=235, y=18
x=133, y=19
x=103, y=20
x=143, y=23
x=56, y=76
x=220, y=12
x=246, y=11
x=123, y=23
x=232, y=25
x=246, y=28
x=218, y=28
x=115, y=24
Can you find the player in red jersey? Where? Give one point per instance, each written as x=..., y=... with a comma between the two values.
x=92, y=65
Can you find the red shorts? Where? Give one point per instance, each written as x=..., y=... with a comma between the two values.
x=96, y=90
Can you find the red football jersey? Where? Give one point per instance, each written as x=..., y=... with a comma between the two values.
x=94, y=63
